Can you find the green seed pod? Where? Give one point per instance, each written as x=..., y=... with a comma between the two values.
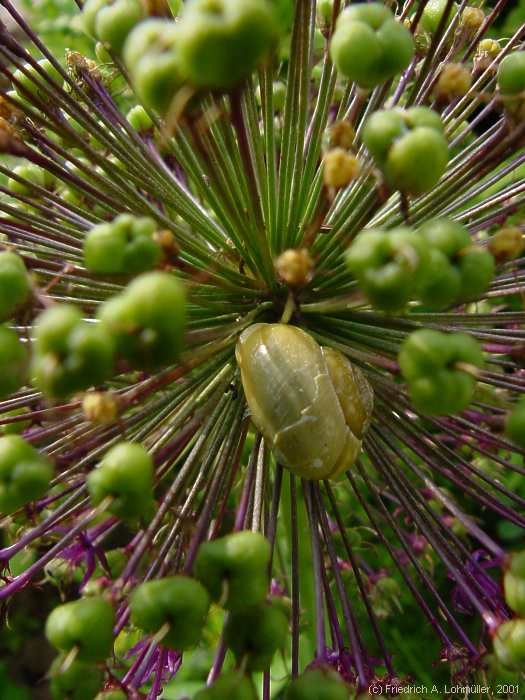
x=24, y=473
x=222, y=41
x=15, y=288
x=114, y=22
x=233, y=686
x=389, y=265
x=515, y=423
x=74, y=681
x=26, y=81
x=442, y=285
x=123, y=247
x=431, y=363
x=432, y=14
x=511, y=74
x=151, y=55
x=381, y=130
x=477, y=269
x=147, y=320
x=255, y=634
x=296, y=403
x=408, y=146
x=369, y=45
x=34, y=176
x=179, y=601
x=318, y=684
x=70, y=354
x=87, y=624
x=509, y=644
x=236, y=564
x=126, y=474
x=514, y=583
x=13, y=361
x=460, y=270
x=447, y=236
x=417, y=161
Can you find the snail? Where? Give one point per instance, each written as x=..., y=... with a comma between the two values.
x=311, y=405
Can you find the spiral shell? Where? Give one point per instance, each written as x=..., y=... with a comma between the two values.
x=309, y=402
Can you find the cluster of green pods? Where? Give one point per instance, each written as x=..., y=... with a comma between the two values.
x=437, y=264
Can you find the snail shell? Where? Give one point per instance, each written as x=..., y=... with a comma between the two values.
x=309, y=402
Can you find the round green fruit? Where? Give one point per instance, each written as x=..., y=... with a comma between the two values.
x=86, y=624
x=433, y=13
x=511, y=74
x=14, y=360
x=124, y=246
x=15, y=288
x=222, y=41
x=147, y=320
x=417, y=161
x=114, y=22
x=509, y=644
x=514, y=588
x=431, y=362
x=233, y=686
x=515, y=423
x=255, y=634
x=24, y=473
x=125, y=474
x=27, y=78
x=388, y=265
x=74, y=681
x=151, y=53
x=318, y=684
x=70, y=354
x=234, y=569
x=178, y=601
x=369, y=45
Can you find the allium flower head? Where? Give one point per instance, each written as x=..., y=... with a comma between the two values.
x=262, y=347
